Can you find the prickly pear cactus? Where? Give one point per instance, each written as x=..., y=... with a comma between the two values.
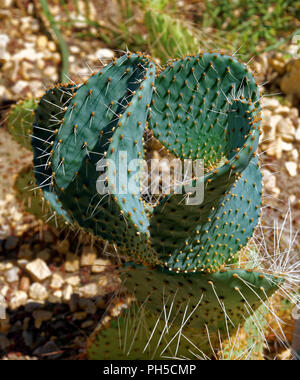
x=20, y=120
x=182, y=256
x=23, y=119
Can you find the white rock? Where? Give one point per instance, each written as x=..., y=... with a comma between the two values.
x=100, y=265
x=292, y=198
x=6, y=3
x=19, y=86
x=22, y=263
x=42, y=42
x=39, y=270
x=270, y=103
x=72, y=263
x=5, y=266
x=105, y=54
x=269, y=179
x=293, y=155
x=18, y=298
x=57, y=294
x=88, y=256
x=50, y=72
x=67, y=292
x=286, y=147
x=297, y=134
x=89, y=290
x=38, y=291
x=56, y=281
x=291, y=168
x=4, y=40
x=28, y=53
x=74, y=49
x=286, y=129
x=12, y=275
x=4, y=289
x=74, y=280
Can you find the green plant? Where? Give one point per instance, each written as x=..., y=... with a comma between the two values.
x=20, y=124
x=251, y=27
x=182, y=260
x=168, y=35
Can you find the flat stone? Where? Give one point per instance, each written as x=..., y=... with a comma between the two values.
x=18, y=298
x=270, y=103
x=22, y=263
x=4, y=289
x=24, y=283
x=295, y=155
x=291, y=167
x=57, y=294
x=100, y=265
x=45, y=254
x=39, y=270
x=41, y=316
x=87, y=324
x=11, y=243
x=73, y=303
x=100, y=303
x=42, y=42
x=297, y=134
x=286, y=147
x=79, y=315
x=72, y=263
x=67, y=292
x=49, y=350
x=89, y=290
x=12, y=275
x=56, y=281
x=63, y=247
x=286, y=130
x=88, y=256
x=25, y=252
x=87, y=305
x=105, y=54
x=74, y=280
x=38, y=291
x=290, y=81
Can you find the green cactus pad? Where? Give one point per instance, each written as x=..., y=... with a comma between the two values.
x=116, y=102
x=95, y=112
x=44, y=205
x=48, y=119
x=190, y=108
x=47, y=122
x=140, y=335
x=220, y=125
x=205, y=237
x=249, y=342
x=209, y=297
x=20, y=120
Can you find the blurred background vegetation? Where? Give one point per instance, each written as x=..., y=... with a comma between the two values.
x=168, y=28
